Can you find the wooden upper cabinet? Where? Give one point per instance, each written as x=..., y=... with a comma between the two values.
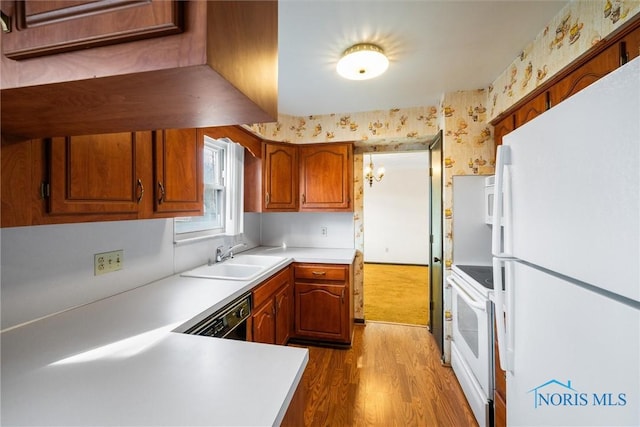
x=532, y=109
x=178, y=171
x=630, y=45
x=17, y=171
x=206, y=75
x=326, y=177
x=55, y=26
x=593, y=70
x=503, y=127
x=280, y=177
x=95, y=174
x=116, y=176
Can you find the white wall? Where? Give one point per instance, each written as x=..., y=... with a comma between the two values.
x=49, y=268
x=305, y=229
x=396, y=210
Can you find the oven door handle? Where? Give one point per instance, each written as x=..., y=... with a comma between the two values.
x=465, y=295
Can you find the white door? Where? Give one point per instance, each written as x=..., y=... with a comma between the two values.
x=576, y=355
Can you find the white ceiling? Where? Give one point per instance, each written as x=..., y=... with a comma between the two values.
x=434, y=47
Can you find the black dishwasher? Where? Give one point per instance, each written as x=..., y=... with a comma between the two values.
x=229, y=322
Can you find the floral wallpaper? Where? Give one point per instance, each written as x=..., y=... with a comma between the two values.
x=580, y=25
x=468, y=145
x=410, y=123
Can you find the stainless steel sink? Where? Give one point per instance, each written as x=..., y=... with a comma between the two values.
x=241, y=267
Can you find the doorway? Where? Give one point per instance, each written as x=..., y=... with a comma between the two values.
x=396, y=238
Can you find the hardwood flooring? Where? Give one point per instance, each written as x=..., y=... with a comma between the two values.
x=392, y=376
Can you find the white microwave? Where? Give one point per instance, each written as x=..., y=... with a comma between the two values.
x=489, y=186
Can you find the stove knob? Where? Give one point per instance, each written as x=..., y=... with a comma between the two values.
x=240, y=313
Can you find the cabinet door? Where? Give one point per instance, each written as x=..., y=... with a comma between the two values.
x=283, y=315
x=264, y=323
x=630, y=44
x=15, y=186
x=499, y=411
x=54, y=26
x=96, y=174
x=320, y=311
x=179, y=172
x=326, y=177
x=582, y=77
x=280, y=177
x=502, y=128
x=532, y=109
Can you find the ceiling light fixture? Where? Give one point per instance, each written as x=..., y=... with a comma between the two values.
x=369, y=176
x=362, y=61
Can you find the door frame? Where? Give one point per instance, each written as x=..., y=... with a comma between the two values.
x=436, y=224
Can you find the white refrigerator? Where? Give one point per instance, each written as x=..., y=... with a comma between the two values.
x=569, y=316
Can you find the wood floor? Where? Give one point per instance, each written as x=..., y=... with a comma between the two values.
x=392, y=376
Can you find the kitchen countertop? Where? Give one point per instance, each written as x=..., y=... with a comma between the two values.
x=119, y=361
x=311, y=255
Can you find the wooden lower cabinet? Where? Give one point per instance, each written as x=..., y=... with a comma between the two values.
x=271, y=317
x=323, y=302
x=499, y=411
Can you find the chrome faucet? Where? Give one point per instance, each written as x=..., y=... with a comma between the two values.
x=221, y=254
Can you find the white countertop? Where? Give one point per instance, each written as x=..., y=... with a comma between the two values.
x=118, y=362
x=311, y=255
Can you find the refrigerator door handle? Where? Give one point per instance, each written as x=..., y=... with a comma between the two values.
x=503, y=158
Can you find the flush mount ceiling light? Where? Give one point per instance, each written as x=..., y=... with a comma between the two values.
x=362, y=61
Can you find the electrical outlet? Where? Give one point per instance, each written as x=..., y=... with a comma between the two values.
x=107, y=262
x=323, y=231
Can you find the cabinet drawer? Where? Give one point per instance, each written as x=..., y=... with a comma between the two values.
x=321, y=272
x=266, y=290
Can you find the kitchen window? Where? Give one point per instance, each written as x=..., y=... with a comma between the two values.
x=223, y=183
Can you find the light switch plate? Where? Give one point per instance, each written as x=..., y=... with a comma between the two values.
x=107, y=262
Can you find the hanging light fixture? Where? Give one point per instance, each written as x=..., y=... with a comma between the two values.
x=370, y=176
x=362, y=61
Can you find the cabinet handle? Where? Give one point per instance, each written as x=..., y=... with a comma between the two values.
x=266, y=198
x=304, y=199
x=5, y=21
x=140, y=190
x=319, y=273
x=161, y=188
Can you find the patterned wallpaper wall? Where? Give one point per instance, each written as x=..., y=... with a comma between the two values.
x=580, y=25
x=468, y=146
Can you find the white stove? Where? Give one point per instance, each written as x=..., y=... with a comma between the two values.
x=478, y=276
x=472, y=355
